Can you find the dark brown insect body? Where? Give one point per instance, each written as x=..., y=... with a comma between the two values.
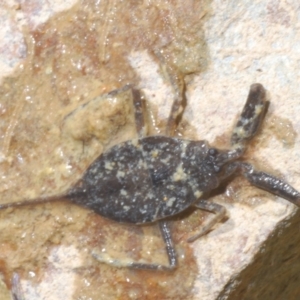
x=152, y=178
x=147, y=179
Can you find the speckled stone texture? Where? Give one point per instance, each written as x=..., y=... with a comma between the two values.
x=253, y=254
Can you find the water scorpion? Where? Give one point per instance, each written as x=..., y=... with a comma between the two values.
x=152, y=178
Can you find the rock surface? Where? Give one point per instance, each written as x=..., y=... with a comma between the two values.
x=250, y=256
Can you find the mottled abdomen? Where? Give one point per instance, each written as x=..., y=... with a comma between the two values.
x=144, y=180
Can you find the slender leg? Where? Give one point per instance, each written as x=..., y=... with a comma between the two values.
x=16, y=289
x=252, y=116
x=169, y=244
x=219, y=213
x=141, y=265
x=266, y=182
x=169, y=248
x=177, y=82
x=139, y=106
x=178, y=103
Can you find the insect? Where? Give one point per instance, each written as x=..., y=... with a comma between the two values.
x=152, y=178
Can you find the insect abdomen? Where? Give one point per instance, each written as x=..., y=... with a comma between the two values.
x=139, y=181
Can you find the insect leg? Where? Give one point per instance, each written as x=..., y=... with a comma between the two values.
x=251, y=117
x=219, y=213
x=16, y=289
x=164, y=228
x=268, y=182
x=105, y=258
x=169, y=244
x=139, y=106
x=179, y=101
x=175, y=78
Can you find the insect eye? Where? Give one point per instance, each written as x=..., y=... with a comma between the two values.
x=213, y=152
